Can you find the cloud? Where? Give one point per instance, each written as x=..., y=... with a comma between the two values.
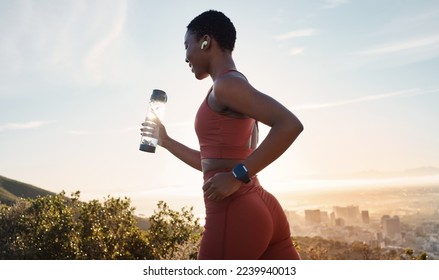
x=111, y=34
x=365, y=98
x=295, y=34
x=401, y=46
x=330, y=4
x=81, y=43
x=26, y=125
x=296, y=51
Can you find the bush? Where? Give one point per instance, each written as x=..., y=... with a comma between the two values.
x=58, y=227
x=174, y=235
x=42, y=228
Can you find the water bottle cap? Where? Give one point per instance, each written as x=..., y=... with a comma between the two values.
x=159, y=95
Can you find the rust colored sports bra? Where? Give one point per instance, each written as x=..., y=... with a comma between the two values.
x=221, y=136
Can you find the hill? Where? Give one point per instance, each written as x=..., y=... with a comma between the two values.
x=10, y=190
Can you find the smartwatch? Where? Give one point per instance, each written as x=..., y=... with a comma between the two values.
x=241, y=173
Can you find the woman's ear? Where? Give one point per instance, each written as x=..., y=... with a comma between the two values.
x=205, y=42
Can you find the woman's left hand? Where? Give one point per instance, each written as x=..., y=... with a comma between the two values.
x=220, y=186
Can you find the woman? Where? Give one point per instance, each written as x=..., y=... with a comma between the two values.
x=243, y=221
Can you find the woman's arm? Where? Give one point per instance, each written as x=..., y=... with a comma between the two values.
x=239, y=96
x=184, y=153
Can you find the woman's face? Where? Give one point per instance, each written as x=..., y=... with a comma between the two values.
x=195, y=55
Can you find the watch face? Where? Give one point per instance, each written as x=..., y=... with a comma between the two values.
x=239, y=170
x=241, y=173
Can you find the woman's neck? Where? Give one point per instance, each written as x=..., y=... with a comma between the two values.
x=222, y=66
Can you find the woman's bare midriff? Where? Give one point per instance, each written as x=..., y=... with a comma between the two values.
x=211, y=164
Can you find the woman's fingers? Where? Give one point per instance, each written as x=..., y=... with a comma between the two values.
x=210, y=191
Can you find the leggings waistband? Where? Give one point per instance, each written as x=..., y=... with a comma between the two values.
x=252, y=185
x=209, y=174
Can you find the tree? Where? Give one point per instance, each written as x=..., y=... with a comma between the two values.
x=409, y=254
x=364, y=251
x=41, y=228
x=57, y=227
x=174, y=235
x=108, y=230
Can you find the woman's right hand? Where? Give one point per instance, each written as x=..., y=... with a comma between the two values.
x=163, y=135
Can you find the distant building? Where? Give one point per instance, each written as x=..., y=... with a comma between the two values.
x=391, y=227
x=332, y=217
x=293, y=217
x=313, y=217
x=324, y=218
x=380, y=236
x=385, y=217
x=365, y=217
x=350, y=214
x=340, y=222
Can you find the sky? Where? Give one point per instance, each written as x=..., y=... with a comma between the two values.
x=76, y=77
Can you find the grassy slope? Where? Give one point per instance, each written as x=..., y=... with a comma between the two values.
x=10, y=190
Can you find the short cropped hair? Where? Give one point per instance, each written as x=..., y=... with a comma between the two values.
x=217, y=25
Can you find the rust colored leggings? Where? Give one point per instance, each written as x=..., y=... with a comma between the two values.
x=248, y=225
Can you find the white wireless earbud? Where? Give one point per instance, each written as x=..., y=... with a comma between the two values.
x=203, y=45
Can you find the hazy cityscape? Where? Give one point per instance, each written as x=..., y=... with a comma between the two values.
x=404, y=217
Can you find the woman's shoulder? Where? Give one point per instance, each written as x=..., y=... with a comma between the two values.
x=233, y=92
x=230, y=83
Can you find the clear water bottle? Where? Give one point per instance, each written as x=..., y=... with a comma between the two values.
x=150, y=130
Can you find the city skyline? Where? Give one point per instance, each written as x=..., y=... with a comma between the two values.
x=386, y=218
